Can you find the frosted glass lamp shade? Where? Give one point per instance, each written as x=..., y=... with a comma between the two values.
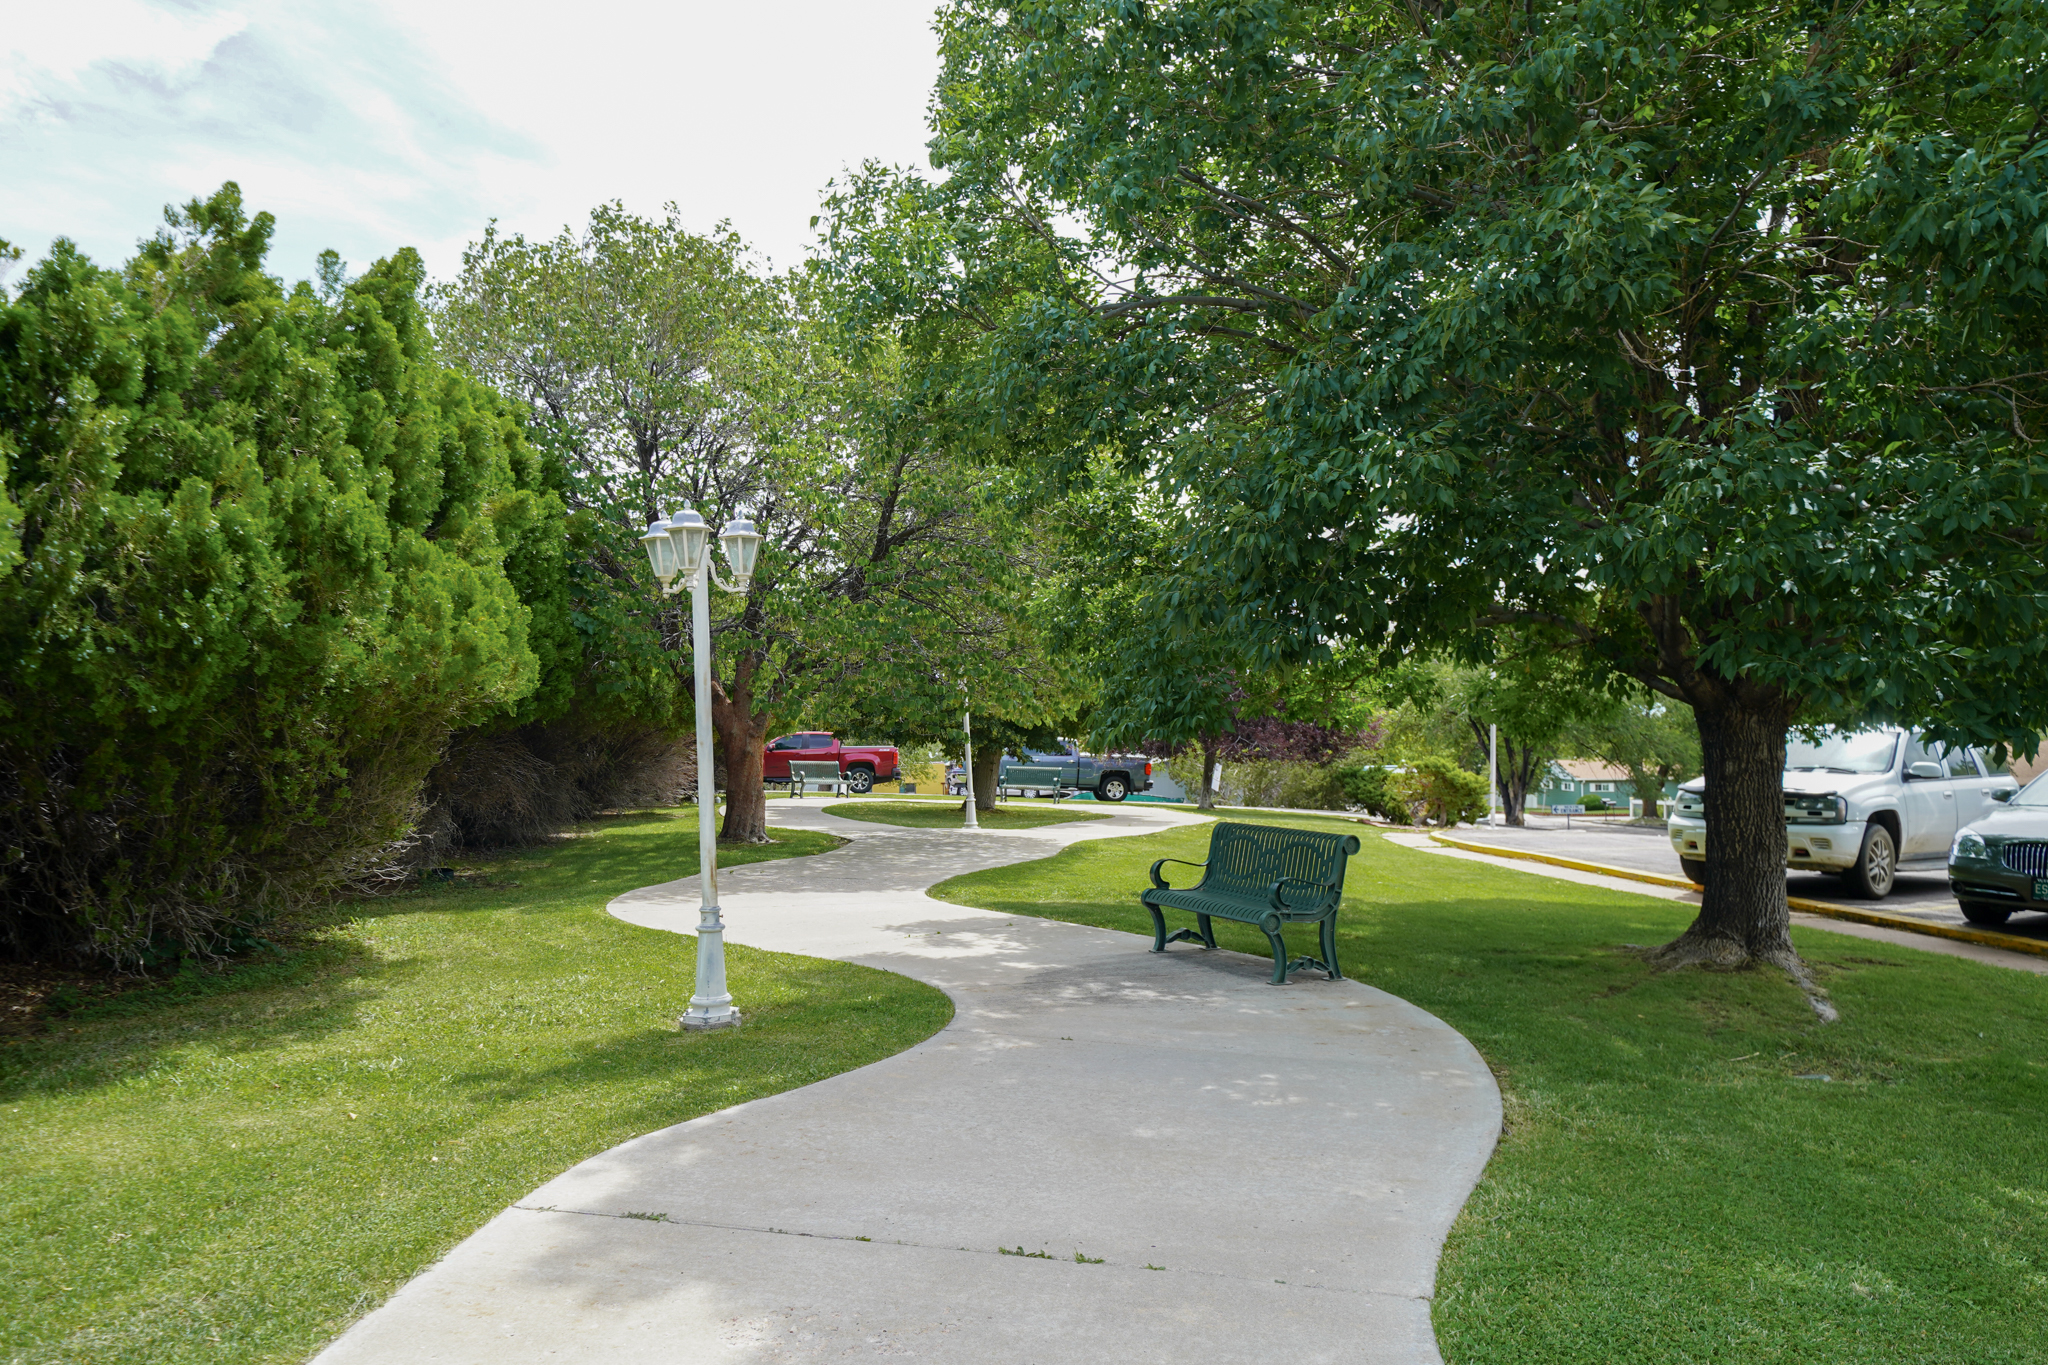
x=661, y=551
x=692, y=537
x=742, y=547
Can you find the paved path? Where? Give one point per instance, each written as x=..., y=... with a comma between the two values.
x=1264, y=1172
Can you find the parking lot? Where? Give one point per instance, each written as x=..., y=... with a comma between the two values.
x=1642, y=848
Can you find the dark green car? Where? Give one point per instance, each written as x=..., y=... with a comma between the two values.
x=1999, y=865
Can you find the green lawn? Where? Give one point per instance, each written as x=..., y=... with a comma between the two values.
x=1668, y=1188
x=947, y=815
x=232, y=1168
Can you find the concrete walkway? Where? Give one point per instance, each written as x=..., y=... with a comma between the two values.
x=1253, y=1172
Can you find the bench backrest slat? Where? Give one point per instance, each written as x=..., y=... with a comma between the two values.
x=1031, y=775
x=1245, y=860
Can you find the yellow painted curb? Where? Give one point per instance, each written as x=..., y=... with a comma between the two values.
x=1655, y=878
x=1987, y=937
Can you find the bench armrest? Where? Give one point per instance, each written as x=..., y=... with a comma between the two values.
x=1279, y=904
x=1158, y=882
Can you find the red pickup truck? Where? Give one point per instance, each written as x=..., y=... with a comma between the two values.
x=862, y=766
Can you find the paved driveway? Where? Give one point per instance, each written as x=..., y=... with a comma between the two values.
x=1924, y=895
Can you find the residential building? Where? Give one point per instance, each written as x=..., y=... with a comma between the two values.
x=1569, y=781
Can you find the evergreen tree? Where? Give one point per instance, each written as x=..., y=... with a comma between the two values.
x=260, y=578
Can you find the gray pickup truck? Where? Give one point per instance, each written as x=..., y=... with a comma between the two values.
x=1111, y=777
x=1861, y=804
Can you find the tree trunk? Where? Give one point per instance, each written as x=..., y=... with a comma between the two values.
x=1514, y=765
x=1526, y=766
x=988, y=766
x=1649, y=789
x=742, y=740
x=1743, y=917
x=1205, y=797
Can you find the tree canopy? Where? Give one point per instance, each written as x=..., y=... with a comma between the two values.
x=672, y=371
x=1708, y=335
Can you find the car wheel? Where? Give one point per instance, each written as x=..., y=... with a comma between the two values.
x=1112, y=789
x=1877, y=866
x=1990, y=916
x=860, y=781
x=1695, y=870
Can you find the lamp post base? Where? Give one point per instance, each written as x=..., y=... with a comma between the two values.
x=706, y=1020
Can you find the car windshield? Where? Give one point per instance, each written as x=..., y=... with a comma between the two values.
x=1866, y=751
x=2035, y=793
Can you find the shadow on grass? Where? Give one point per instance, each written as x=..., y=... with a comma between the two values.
x=347, y=956
x=235, y=1175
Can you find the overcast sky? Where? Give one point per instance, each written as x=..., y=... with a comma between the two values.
x=366, y=125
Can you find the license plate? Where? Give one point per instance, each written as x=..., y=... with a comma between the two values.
x=2041, y=889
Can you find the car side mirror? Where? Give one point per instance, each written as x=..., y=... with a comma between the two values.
x=1925, y=771
x=2004, y=793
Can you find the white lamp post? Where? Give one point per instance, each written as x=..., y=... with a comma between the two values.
x=679, y=549
x=967, y=769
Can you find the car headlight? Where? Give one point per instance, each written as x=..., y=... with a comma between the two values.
x=1829, y=809
x=1968, y=844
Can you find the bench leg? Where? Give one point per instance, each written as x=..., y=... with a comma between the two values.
x=1279, y=956
x=1330, y=948
x=1160, y=938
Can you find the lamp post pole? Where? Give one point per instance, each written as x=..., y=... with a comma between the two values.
x=711, y=1005
x=967, y=746
x=680, y=548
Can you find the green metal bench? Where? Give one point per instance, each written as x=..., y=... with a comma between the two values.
x=1023, y=777
x=1267, y=875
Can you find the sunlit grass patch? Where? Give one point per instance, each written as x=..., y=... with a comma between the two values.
x=1676, y=1181
x=235, y=1168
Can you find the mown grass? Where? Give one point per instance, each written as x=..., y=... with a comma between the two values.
x=233, y=1167
x=1668, y=1188
x=947, y=815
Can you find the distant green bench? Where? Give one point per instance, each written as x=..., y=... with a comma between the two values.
x=1023, y=777
x=1267, y=875
x=817, y=777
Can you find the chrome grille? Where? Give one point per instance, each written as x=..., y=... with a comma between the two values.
x=2028, y=859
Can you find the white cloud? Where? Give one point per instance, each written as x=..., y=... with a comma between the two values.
x=48, y=47
x=369, y=124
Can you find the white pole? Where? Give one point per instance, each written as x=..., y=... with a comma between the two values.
x=711, y=1006
x=967, y=742
x=1492, y=774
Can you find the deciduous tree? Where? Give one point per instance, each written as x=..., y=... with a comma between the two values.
x=1653, y=737
x=672, y=371
x=1712, y=336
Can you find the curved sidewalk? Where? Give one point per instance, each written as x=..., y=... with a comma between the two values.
x=1252, y=1172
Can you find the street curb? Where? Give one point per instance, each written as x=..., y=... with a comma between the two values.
x=1986, y=937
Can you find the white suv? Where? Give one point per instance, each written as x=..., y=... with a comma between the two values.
x=1859, y=804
